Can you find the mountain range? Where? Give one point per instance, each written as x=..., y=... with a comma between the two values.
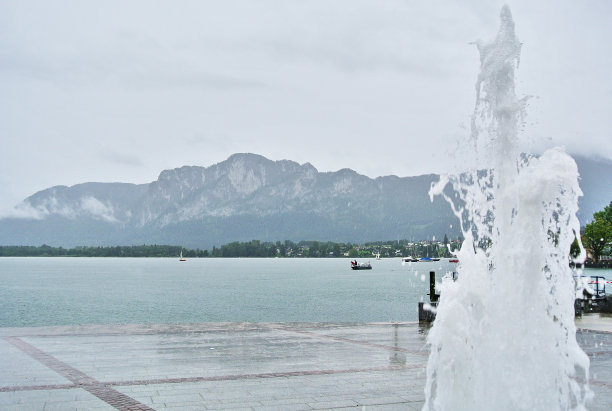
x=250, y=197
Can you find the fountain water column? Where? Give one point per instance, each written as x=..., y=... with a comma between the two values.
x=504, y=336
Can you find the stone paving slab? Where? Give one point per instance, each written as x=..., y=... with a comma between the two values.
x=59, y=399
x=19, y=369
x=230, y=366
x=309, y=392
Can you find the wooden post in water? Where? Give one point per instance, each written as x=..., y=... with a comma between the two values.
x=427, y=310
x=433, y=297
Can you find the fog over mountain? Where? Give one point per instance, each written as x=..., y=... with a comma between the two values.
x=250, y=197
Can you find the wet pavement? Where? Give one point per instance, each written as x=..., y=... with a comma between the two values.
x=231, y=366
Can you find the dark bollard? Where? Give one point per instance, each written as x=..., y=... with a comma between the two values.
x=427, y=311
x=433, y=297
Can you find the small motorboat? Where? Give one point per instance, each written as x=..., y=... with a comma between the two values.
x=409, y=259
x=453, y=260
x=360, y=266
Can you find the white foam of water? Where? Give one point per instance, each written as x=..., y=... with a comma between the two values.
x=504, y=335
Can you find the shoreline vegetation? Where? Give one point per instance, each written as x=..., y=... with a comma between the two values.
x=254, y=248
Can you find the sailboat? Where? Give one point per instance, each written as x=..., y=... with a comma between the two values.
x=181, y=258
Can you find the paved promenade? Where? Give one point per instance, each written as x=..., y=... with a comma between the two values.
x=265, y=366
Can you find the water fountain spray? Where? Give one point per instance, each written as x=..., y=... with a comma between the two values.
x=504, y=336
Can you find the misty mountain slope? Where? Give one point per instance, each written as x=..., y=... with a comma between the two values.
x=250, y=197
x=106, y=201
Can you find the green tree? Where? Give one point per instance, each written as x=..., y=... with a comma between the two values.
x=315, y=249
x=605, y=214
x=597, y=235
x=575, y=249
x=336, y=250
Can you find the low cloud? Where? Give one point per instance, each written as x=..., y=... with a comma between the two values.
x=96, y=208
x=24, y=211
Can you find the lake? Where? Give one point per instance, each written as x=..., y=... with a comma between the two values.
x=73, y=291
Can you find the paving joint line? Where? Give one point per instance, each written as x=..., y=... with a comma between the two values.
x=349, y=340
x=12, y=388
x=229, y=377
x=104, y=392
x=280, y=374
x=119, y=330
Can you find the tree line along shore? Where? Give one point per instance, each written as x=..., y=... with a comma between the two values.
x=254, y=248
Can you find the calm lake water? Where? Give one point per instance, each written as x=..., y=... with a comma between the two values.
x=72, y=291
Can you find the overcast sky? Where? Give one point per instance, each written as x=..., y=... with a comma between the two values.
x=121, y=90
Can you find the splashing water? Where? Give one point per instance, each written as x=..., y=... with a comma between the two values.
x=504, y=337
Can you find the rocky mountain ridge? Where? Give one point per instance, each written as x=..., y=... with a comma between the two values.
x=242, y=198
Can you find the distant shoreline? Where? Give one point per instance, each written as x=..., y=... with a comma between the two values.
x=254, y=248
